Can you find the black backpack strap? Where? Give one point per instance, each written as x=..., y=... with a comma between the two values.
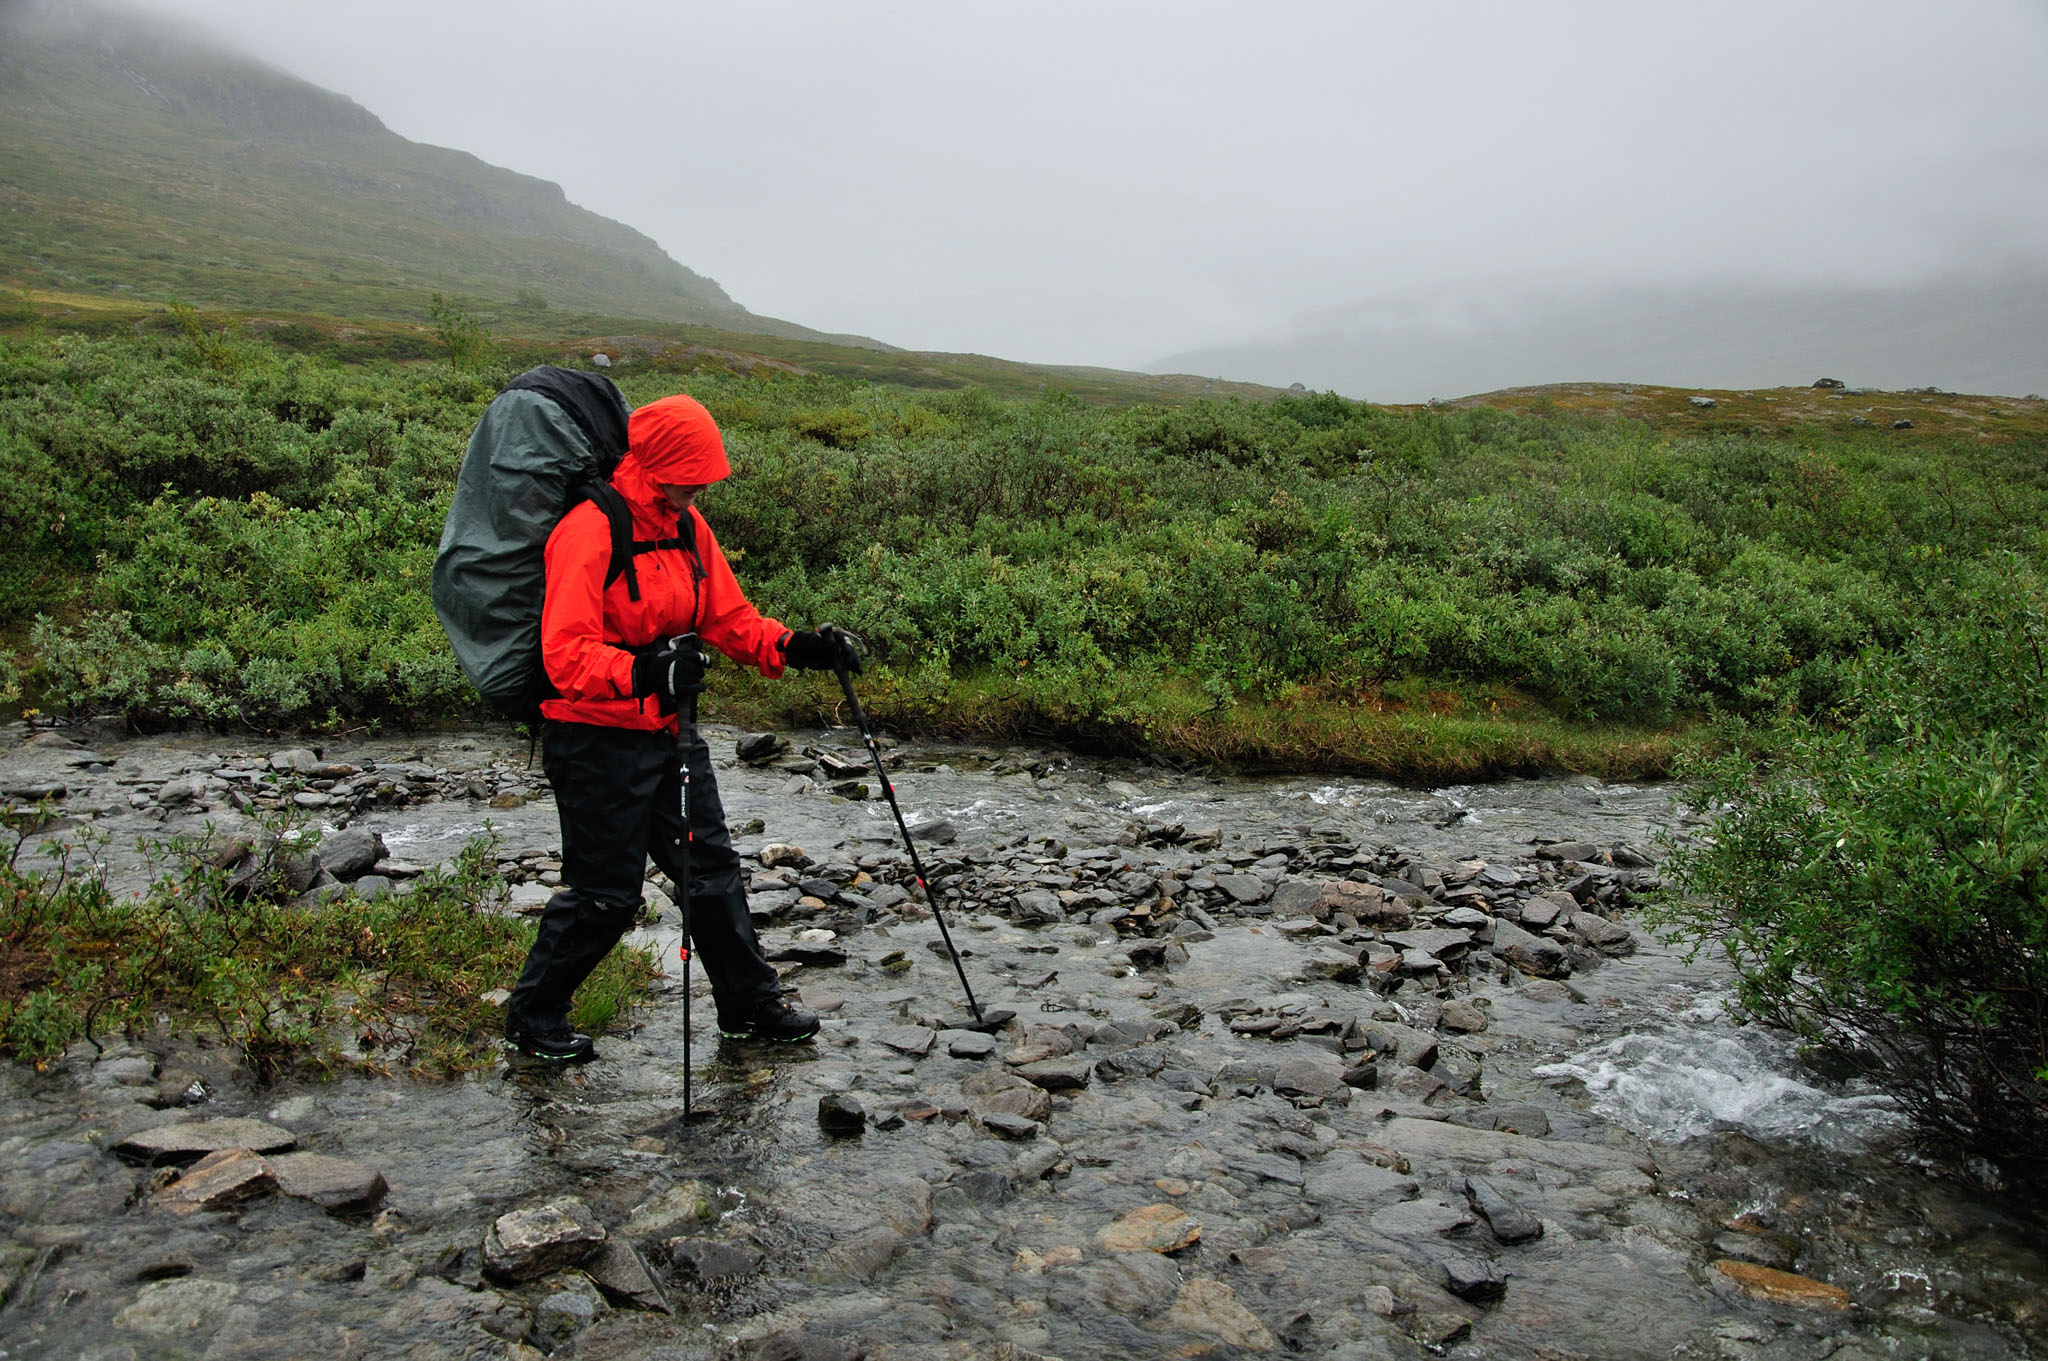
x=620, y=516
x=625, y=547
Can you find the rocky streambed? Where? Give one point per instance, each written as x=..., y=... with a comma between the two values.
x=1271, y=1067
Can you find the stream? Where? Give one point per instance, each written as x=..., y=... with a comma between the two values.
x=1173, y=1149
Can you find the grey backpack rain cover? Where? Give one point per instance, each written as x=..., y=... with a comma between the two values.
x=541, y=445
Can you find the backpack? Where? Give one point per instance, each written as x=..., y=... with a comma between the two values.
x=545, y=444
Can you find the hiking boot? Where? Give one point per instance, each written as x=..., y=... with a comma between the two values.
x=553, y=1044
x=777, y=1021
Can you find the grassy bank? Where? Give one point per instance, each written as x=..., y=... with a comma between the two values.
x=1433, y=737
x=390, y=984
x=208, y=528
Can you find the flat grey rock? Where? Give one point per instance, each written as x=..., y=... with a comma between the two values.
x=1432, y=1214
x=1245, y=888
x=331, y=1183
x=1441, y=942
x=1320, y=1075
x=187, y=1140
x=1006, y=1126
x=914, y=1040
x=968, y=1044
x=1057, y=1075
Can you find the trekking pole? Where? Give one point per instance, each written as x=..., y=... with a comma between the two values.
x=683, y=901
x=686, y=733
x=867, y=736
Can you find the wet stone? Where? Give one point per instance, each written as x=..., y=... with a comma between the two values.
x=351, y=852
x=187, y=1140
x=1057, y=1075
x=1536, y=955
x=217, y=1181
x=177, y=1308
x=797, y=1345
x=1144, y=1061
x=1150, y=1228
x=712, y=1259
x=564, y=1312
x=1245, y=888
x=1510, y=1222
x=1268, y=1167
x=1782, y=1287
x=915, y=1040
x=967, y=1044
x=1006, y=1126
x=527, y=1244
x=1332, y=964
x=1320, y=1076
x=337, y=1184
x=1430, y=1214
x=841, y=1114
x=1463, y=1016
x=1473, y=1279
x=1763, y=1249
x=1211, y=1309
x=986, y=1186
x=1011, y=1095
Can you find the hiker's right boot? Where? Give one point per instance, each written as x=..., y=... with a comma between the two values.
x=775, y=1021
x=556, y=1043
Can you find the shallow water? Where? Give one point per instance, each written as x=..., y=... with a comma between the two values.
x=1667, y=1123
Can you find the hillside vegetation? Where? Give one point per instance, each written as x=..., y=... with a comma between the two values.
x=137, y=158
x=205, y=528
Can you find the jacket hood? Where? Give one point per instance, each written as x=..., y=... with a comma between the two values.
x=675, y=440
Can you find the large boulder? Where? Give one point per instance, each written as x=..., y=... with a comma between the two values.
x=351, y=852
x=1538, y=956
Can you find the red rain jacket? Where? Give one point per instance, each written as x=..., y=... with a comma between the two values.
x=585, y=625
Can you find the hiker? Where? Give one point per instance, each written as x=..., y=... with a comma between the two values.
x=611, y=738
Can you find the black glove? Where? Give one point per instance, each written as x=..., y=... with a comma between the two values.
x=669, y=672
x=831, y=648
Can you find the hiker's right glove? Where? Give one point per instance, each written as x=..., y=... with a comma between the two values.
x=831, y=648
x=669, y=673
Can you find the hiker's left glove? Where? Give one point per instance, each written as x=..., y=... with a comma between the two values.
x=831, y=648
x=669, y=672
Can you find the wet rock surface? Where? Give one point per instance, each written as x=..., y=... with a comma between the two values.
x=1290, y=1067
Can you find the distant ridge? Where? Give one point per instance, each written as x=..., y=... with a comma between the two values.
x=138, y=156
x=1985, y=334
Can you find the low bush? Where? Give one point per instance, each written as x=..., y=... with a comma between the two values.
x=205, y=528
x=1880, y=882
x=387, y=983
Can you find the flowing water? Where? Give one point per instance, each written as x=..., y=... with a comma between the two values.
x=1650, y=1135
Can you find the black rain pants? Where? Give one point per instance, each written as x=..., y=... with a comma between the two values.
x=617, y=792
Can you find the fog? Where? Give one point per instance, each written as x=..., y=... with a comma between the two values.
x=1113, y=184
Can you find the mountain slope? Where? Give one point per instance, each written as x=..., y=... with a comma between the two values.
x=137, y=157
x=1985, y=334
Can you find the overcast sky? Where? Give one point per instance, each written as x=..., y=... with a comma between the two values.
x=1111, y=182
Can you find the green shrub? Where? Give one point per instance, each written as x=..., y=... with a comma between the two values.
x=392, y=982
x=264, y=523
x=1881, y=883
